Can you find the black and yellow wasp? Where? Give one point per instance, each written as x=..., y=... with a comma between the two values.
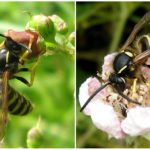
x=12, y=57
x=133, y=53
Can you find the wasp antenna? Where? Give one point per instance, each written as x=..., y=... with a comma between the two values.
x=90, y=98
x=142, y=56
x=127, y=98
x=23, y=45
x=143, y=22
x=29, y=13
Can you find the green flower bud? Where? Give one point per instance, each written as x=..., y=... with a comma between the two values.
x=43, y=25
x=41, y=46
x=60, y=24
x=71, y=38
x=34, y=138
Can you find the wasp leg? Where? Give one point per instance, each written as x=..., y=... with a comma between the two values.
x=24, y=70
x=2, y=44
x=23, y=80
x=26, y=53
x=23, y=57
x=123, y=109
x=126, y=97
x=32, y=72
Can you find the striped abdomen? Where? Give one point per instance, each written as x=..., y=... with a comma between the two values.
x=18, y=104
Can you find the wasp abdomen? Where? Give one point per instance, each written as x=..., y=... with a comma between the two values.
x=18, y=104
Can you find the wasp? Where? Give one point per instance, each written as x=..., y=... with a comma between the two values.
x=13, y=54
x=126, y=63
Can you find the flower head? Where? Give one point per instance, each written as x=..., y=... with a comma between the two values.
x=110, y=112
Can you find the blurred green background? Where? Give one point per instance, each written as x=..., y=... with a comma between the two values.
x=102, y=28
x=53, y=88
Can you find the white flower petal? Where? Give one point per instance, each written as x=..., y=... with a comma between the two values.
x=86, y=90
x=137, y=121
x=148, y=61
x=104, y=118
x=84, y=95
x=107, y=67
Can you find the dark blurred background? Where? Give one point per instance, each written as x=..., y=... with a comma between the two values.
x=102, y=28
x=53, y=88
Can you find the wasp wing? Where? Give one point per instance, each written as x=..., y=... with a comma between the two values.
x=4, y=103
x=143, y=22
x=142, y=57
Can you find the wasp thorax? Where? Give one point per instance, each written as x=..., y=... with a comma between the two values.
x=123, y=64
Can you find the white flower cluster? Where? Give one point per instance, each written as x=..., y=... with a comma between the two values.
x=113, y=114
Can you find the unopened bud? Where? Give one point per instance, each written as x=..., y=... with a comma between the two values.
x=34, y=138
x=71, y=38
x=43, y=25
x=60, y=24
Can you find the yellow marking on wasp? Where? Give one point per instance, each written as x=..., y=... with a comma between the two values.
x=123, y=68
x=17, y=106
x=24, y=108
x=123, y=80
x=32, y=70
x=31, y=108
x=132, y=68
x=12, y=99
x=129, y=54
x=148, y=38
x=7, y=57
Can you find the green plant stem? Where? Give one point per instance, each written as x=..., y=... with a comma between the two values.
x=125, y=11
x=120, y=26
x=81, y=142
x=61, y=49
